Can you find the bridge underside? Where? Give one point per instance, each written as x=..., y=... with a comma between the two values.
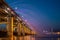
x=14, y=25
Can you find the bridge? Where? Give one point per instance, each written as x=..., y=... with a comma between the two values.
x=15, y=25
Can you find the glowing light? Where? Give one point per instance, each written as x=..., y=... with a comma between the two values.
x=8, y=8
x=22, y=16
x=6, y=11
x=5, y=17
x=15, y=7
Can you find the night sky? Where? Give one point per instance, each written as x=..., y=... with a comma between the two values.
x=40, y=14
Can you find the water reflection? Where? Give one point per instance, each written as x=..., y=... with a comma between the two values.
x=47, y=38
x=25, y=38
x=36, y=38
x=31, y=38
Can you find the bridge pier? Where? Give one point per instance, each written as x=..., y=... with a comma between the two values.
x=10, y=28
x=18, y=30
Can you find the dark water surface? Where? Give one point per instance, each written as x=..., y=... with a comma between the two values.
x=47, y=39
x=38, y=38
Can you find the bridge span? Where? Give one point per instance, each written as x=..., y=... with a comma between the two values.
x=13, y=24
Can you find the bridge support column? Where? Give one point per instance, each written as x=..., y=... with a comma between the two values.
x=10, y=28
x=18, y=30
x=23, y=32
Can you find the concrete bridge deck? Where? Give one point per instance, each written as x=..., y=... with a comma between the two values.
x=14, y=24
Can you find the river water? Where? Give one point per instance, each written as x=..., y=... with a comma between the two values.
x=37, y=38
